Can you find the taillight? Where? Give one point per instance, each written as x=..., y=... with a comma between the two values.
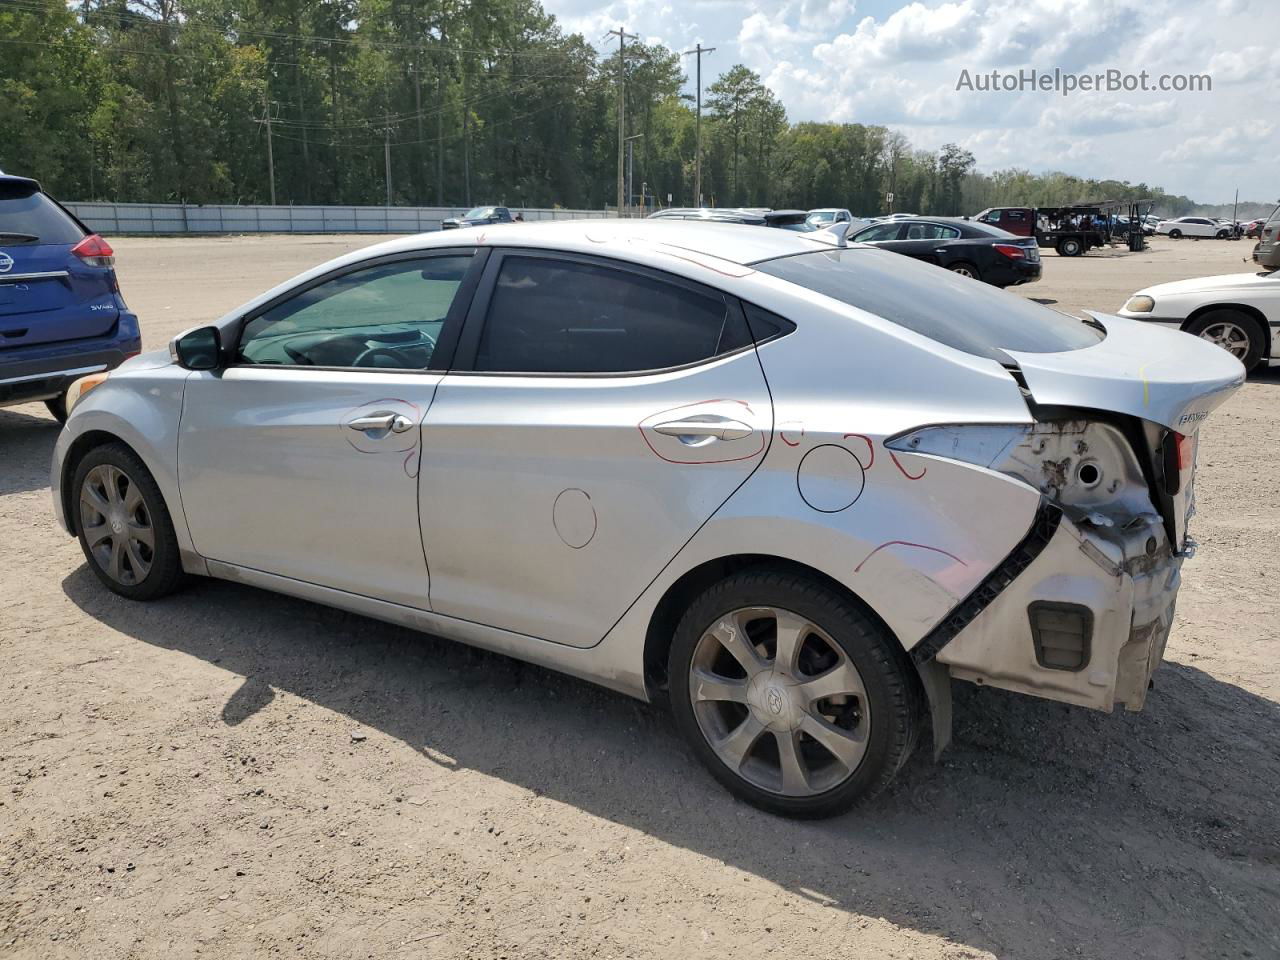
x=1186, y=451
x=95, y=251
x=1010, y=251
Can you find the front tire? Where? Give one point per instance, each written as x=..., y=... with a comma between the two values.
x=1175, y=234
x=791, y=695
x=123, y=524
x=1236, y=332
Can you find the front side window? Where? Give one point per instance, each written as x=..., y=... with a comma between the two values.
x=972, y=317
x=387, y=316
x=564, y=316
x=881, y=231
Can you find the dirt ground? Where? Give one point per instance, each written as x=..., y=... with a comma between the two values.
x=228, y=773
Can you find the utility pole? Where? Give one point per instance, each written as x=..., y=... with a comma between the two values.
x=698, y=50
x=386, y=154
x=623, y=37
x=271, y=160
x=630, y=142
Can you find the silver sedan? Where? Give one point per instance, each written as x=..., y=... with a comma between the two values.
x=791, y=485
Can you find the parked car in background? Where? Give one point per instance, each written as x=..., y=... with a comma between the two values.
x=479, y=217
x=1253, y=228
x=1201, y=227
x=1149, y=224
x=1267, y=252
x=789, y=487
x=1238, y=312
x=965, y=247
x=826, y=216
x=794, y=220
x=61, y=312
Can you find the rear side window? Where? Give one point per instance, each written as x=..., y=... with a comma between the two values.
x=566, y=316
x=968, y=316
x=27, y=213
x=931, y=231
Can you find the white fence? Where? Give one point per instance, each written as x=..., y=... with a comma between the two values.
x=179, y=218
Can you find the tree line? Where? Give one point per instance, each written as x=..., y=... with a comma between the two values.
x=461, y=101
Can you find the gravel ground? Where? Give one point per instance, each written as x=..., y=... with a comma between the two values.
x=228, y=773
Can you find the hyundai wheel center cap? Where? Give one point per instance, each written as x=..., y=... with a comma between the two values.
x=775, y=702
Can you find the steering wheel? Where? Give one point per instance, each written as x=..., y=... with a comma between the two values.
x=382, y=349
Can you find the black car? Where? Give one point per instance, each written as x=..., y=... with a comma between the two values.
x=966, y=247
x=796, y=220
x=479, y=217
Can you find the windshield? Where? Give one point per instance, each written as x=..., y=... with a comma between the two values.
x=824, y=216
x=956, y=311
x=479, y=213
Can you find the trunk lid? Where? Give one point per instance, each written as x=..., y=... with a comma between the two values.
x=1138, y=369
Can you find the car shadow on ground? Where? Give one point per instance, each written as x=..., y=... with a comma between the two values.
x=26, y=449
x=1269, y=375
x=1045, y=831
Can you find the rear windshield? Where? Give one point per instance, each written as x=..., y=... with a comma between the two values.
x=960, y=312
x=25, y=213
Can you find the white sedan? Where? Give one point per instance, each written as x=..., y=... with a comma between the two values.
x=1193, y=227
x=789, y=486
x=1239, y=312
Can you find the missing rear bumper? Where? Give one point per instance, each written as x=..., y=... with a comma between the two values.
x=1085, y=623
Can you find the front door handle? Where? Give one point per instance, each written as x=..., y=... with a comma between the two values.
x=393, y=422
x=704, y=429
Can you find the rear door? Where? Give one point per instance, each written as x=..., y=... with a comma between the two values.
x=598, y=414
x=46, y=293
x=923, y=240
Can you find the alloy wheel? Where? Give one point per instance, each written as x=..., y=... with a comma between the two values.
x=1229, y=337
x=117, y=525
x=963, y=271
x=779, y=702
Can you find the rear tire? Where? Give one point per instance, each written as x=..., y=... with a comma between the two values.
x=808, y=734
x=1236, y=332
x=1069, y=248
x=123, y=524
x=57, y=407
x=964, y=269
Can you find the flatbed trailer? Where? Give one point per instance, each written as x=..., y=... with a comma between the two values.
x=1072, y=230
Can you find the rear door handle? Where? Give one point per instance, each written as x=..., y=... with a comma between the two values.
x=697, y=430
x=393, y=422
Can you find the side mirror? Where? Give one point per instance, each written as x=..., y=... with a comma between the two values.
x=198, y=349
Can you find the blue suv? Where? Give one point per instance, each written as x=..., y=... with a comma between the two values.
x=61, y=313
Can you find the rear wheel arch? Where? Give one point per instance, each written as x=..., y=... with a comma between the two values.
x=695, y=581
x=1253, y=313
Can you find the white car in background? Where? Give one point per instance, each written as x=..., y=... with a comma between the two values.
x=1239, y=312
x=1194, y=227
x=826, y=216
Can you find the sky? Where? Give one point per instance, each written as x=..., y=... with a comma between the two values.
x=899, y=64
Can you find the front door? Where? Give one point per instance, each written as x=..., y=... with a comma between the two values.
x=598, y=415
x=301, y=458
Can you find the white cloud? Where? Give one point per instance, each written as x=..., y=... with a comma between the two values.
x=897, y=64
